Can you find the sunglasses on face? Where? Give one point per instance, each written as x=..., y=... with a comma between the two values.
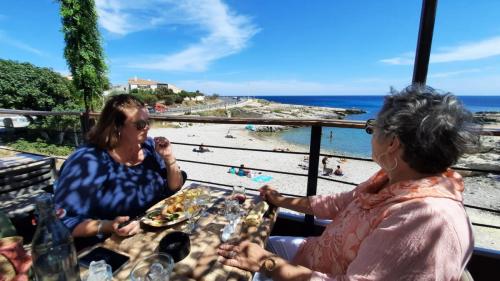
x=141, y=124
x=369, y=126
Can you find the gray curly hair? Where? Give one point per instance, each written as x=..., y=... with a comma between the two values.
x=435, y=129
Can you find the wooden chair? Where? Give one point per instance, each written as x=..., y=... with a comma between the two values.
x=21, y=183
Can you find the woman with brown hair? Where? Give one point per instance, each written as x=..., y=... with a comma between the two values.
x=118, y=175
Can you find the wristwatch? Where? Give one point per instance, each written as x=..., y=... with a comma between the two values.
x=269, y=265
x=100, y=233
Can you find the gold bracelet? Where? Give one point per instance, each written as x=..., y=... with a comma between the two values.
x=171, y=163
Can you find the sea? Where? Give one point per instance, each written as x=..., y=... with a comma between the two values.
x=355, y=142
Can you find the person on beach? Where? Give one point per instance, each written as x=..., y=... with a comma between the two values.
x=201, y=149
x=118, y=175
x=324, y=161
x=338, y=171
x=242, y=171
x=406, y=222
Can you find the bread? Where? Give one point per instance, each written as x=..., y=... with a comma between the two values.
x=254, y=217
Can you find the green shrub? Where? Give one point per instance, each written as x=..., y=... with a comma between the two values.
x=41, y=147
x=169, y=100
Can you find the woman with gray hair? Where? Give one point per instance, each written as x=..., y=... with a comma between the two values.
x=406, y=222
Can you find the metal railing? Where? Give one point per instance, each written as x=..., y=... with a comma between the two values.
x=313, y=153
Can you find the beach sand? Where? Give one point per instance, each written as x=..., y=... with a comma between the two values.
x=354, y=171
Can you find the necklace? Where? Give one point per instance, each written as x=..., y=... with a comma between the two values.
x=128, y=159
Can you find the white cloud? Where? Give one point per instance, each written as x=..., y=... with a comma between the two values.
x=471, y=51
x=6, y=39
x=226, y=32
x=453, y=73
x=469, y=85
x=465, y=52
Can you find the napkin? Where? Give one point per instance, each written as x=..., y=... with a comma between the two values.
x=254, y=217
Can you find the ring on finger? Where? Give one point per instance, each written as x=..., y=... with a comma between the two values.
x=232, y=254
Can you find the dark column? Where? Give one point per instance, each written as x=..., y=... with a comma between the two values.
x=424, y=42
x=312, y=178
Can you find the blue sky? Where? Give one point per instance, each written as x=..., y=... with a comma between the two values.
x=272, y=47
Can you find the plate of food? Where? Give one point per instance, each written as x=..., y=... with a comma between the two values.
x=171, y=210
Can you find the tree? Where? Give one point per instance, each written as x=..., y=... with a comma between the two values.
x=169, y=100
x=145, y=96
x=25, y=86
x=164, y=92
x=83, y=50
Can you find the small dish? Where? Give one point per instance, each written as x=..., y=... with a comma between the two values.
x=176, y=244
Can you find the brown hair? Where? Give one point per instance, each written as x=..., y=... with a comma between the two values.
x=106, y=133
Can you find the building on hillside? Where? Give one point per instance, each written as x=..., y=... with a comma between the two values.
x=117, y=88
x=197, y=98
x=138, y=83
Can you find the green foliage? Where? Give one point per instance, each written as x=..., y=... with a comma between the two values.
x=25, y=86
x=263, y=102
x=242, y=113
x=146, y=96
x=169, y=100
x=179, y=99
x=83, y=50
x=216, y=112
x=41, y=147
x=163, y=92
x=60, y=123
x=214, y=96
x=184, y=94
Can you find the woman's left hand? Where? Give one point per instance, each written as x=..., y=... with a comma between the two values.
x=163, y=147
x=247, y=255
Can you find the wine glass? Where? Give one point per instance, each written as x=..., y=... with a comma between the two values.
x=156, y=267
x=202, y=201
x=239, y=194
x=190, y=207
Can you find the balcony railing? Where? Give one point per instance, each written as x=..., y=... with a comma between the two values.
x=314, y=152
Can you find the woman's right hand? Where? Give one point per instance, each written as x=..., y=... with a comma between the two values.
x=269, y=194
x=127, y=230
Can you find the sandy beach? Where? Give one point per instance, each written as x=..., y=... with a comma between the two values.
x=478, y=194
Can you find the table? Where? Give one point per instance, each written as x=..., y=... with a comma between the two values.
x=201, y=263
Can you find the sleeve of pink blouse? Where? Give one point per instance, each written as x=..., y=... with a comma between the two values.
x=328, y=206
x=413, y=243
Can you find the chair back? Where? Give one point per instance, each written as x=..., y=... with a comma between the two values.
x=466, y=276
x=20, y=183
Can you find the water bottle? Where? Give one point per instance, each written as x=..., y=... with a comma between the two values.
x=53, y=251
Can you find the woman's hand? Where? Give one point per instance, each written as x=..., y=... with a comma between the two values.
x=269, y=194
x=247, y=255
x=163, y=147
x=130, y=229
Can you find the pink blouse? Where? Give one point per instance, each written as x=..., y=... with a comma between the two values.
x=412, y=230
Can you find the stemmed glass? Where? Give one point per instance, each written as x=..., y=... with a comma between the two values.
x=239, y=194
x=189, y=211
x=202, y=201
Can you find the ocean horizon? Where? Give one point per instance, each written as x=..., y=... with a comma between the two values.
x=355, y=142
